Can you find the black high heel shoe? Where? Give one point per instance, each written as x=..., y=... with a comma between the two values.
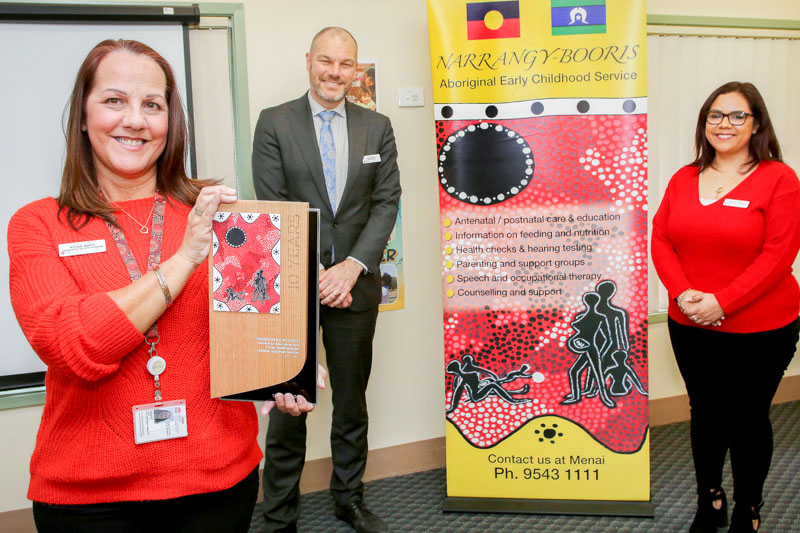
x=708, y=518
x=743, y=516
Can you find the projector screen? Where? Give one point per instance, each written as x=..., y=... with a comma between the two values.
x=39, y=63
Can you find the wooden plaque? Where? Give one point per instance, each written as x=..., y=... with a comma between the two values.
x=259, y=296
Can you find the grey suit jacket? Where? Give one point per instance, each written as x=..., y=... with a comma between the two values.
x=287, y=166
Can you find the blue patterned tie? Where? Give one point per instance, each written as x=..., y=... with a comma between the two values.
x=327, y=152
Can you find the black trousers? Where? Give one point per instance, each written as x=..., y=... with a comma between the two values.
x=226, y=511
x=731, y=379
x=347, y=337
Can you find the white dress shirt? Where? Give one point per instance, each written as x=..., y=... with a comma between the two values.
x=339, y=129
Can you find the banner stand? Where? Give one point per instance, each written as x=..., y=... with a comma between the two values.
x=540, y=115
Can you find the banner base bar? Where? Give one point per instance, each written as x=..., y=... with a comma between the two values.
x=643, y=509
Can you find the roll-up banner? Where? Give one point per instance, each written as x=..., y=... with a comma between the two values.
x=541, y=132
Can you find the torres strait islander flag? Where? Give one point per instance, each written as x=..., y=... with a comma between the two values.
x=570, y=17
x=492, y=20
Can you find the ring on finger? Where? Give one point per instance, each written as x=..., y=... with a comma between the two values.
x=335, y=293
x=197, y=211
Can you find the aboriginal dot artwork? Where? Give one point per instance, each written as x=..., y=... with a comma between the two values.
x=485, y=164
x=235, y=237
x=544, y=273
x=548, y=433
x=247, y=262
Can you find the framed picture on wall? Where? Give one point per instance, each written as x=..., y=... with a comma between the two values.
x=364, y=89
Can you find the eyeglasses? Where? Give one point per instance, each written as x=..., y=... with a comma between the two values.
x=735, y=118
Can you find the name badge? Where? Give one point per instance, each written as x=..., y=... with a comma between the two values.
x=730, y=202
x=81, y=248
x=373, y=158
x=159, y=421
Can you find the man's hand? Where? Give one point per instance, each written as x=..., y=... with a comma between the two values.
x=336, y=282
x=295, y=405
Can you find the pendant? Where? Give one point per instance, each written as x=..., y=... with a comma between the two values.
x=145, y=230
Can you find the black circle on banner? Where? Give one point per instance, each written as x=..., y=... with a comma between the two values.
x=583, y=106
x=447, y=111
x=485, y=164
x=629, y=106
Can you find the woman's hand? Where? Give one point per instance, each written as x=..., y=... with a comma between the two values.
x=689, y=295
x=295, y=405
x=703, y=309
x=144, y=300
x=197, y=238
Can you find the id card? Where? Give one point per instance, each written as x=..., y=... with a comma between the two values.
x=159, y=421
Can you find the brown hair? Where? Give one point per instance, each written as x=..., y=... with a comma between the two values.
x=80, y=196
x=763, y=143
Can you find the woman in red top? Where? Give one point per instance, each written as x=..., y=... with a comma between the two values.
x=724, y=240
x=109, y=282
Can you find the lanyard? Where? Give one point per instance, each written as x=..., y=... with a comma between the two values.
x=155, y=364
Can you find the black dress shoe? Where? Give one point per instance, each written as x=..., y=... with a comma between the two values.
x=708, y=518
x=743, y=517
x=357, y=515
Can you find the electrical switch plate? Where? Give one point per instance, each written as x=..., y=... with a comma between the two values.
x=413, y=97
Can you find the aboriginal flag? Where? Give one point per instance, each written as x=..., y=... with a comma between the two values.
x=492, y=20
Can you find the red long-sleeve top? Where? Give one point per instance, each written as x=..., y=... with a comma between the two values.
x=85, y=451
x=740, y=248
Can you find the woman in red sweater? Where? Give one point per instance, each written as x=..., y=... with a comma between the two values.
x=724, y=240
x=109, y=282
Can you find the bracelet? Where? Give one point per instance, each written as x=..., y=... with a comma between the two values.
x=679, y=301
x=163, y=282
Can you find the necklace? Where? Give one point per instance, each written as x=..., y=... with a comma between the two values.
x=719, y=190
x=143, y=229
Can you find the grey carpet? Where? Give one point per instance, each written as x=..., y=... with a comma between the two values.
x=414, y=502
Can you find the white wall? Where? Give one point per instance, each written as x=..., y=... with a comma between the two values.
x=407, y=385
x=406, y=391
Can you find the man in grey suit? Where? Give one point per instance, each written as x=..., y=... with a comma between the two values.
x=341, y=159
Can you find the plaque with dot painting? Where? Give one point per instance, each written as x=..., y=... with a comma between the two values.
x=246, y=272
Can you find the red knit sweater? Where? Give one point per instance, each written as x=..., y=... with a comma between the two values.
x=85, y=451
x=743, y=255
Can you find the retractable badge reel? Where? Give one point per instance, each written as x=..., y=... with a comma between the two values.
x=155, y=365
